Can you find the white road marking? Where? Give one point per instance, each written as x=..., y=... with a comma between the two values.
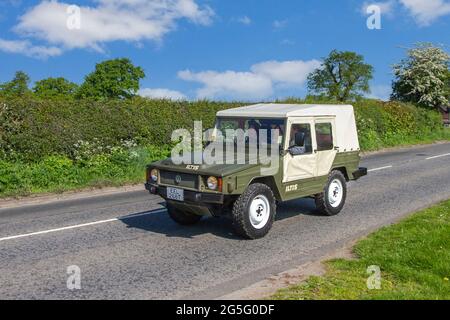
x=439, y=156
x=79, y=226
x=379, y=169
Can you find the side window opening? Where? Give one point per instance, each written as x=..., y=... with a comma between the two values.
x=306, y=148
x=324, y=135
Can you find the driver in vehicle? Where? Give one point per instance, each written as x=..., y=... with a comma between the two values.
x=296, y=149
x=253, y=130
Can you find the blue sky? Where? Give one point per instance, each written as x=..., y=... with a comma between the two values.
x=217, y=49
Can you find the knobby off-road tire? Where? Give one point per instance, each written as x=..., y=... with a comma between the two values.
x=181, y=217
x=254, y=212
x=331, y=201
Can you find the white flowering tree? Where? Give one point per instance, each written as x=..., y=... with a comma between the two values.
x=423, y=77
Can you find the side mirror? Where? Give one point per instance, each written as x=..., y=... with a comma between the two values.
x=300, y=139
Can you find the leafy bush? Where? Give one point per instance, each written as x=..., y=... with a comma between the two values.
x=31, y=129
x=385, y=124
x=59, y=173
x=59, y=144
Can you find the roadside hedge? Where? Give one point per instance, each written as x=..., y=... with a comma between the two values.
x=32, y=129
x=387, y=124
x=56, y=145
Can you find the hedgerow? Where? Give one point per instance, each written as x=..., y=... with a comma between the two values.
x=31, y=129
x=59, y=144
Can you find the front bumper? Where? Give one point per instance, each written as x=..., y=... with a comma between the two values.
x=361, y=172
x=192, y=197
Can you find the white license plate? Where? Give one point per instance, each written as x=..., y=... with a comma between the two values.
x=175, y=194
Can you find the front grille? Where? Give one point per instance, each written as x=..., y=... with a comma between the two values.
x=185, y=180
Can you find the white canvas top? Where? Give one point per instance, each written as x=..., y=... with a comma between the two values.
x=347, y=135
x=286, y=110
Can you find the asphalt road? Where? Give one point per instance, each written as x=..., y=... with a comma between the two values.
x=127, y=248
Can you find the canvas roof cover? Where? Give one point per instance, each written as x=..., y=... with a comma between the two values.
x=347, y=136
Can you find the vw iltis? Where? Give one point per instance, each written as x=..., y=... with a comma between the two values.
x=318, y=153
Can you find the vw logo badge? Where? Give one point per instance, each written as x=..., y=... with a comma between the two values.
x=178, y=179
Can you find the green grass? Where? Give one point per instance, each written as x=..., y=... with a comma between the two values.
x=413, y=255
x=56, y=174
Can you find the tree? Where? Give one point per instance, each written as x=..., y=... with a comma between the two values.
x=52, y=87
x=343, y=75
x=17, y=86
x=423, y=77
x=112, y=79
x=447, y=85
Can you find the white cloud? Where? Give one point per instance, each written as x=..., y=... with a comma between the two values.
x=258, y=83
x=160, y=93
x=245, y=20
x=286, y=73
x=239, y=85
x=109, y=20
x=387, y=7
x=426, y=11
x=26, y=48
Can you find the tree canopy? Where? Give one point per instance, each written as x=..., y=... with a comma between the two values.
x=342, y=76
x=423, y=77
x=53, y=87
x=112, y=79
x=18, y=86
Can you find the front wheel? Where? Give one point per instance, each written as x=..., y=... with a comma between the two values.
x=331, y=201
x=254, y=212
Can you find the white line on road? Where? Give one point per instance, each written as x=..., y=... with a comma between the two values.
x=439, y=156
x=79, y=226
x=378, y=169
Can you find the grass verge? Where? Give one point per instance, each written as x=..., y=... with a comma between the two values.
x=57, y=174
x=413, y=256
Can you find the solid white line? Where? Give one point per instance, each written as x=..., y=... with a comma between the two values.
x=378, y=169
x=78, y=226
x=440, y=156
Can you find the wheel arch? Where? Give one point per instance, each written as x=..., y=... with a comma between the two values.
x=270, y=182
x=344, y=171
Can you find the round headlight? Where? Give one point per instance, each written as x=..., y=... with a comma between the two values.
x=154, y=175
x=213, y=183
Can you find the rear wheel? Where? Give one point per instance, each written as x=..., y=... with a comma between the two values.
x=254, y=212
x=181, y=217
x=331, y=201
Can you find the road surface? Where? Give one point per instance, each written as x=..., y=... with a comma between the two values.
x=126, y=247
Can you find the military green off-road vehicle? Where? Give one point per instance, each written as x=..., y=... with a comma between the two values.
x=318, y=153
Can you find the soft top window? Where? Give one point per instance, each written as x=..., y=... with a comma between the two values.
x=324, y=135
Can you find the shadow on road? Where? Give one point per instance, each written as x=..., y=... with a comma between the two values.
x=158, y=221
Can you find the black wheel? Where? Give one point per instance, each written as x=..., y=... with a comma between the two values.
x=181, y=217
x=254, y=212
x=331, y=201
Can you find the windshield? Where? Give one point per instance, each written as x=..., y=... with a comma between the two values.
x=252, y=126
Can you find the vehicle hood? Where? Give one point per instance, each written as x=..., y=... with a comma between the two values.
x=220, y=170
